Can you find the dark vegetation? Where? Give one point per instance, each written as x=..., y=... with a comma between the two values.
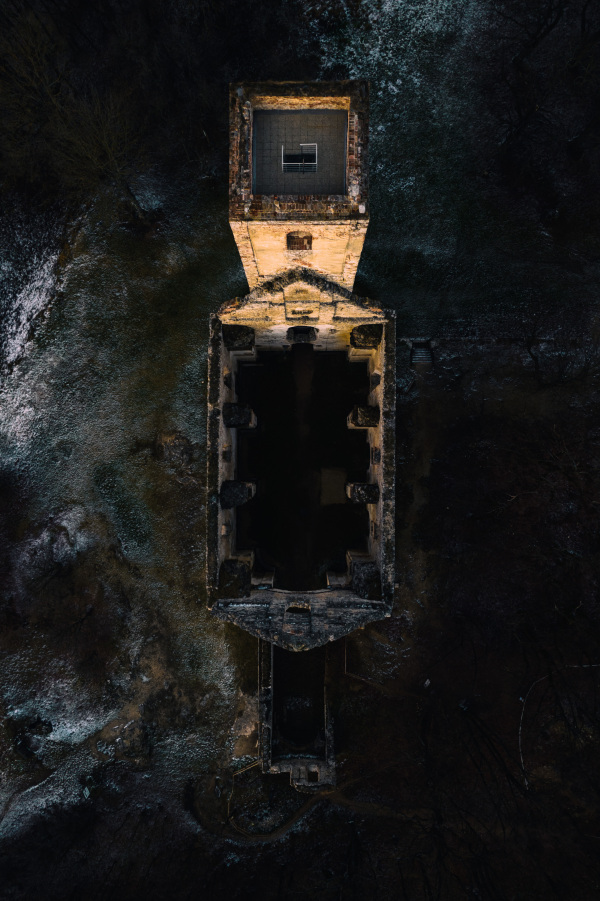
x=543, y=87
x=92, y=94
x=467, y=726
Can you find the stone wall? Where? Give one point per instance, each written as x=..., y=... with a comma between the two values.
x=335, y=253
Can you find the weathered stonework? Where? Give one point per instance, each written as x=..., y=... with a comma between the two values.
x=337, y=318
x=307, y=773
x=300, y=252
x=336, y=250
x=261, y=223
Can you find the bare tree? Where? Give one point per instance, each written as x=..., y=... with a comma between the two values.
x=58, y=126
x=94, y=143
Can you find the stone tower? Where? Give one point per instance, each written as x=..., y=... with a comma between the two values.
x=298, y=193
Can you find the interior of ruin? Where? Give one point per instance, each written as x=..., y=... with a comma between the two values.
x=301, y=455
x=298, y=704
x=279, y=164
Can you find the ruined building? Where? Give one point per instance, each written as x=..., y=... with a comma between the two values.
x=300, y=410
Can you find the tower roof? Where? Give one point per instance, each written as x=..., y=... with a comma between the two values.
x=298, y=150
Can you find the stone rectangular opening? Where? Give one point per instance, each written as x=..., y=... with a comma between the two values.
x=298, y=704
x=300, y=522
x=299, y=241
